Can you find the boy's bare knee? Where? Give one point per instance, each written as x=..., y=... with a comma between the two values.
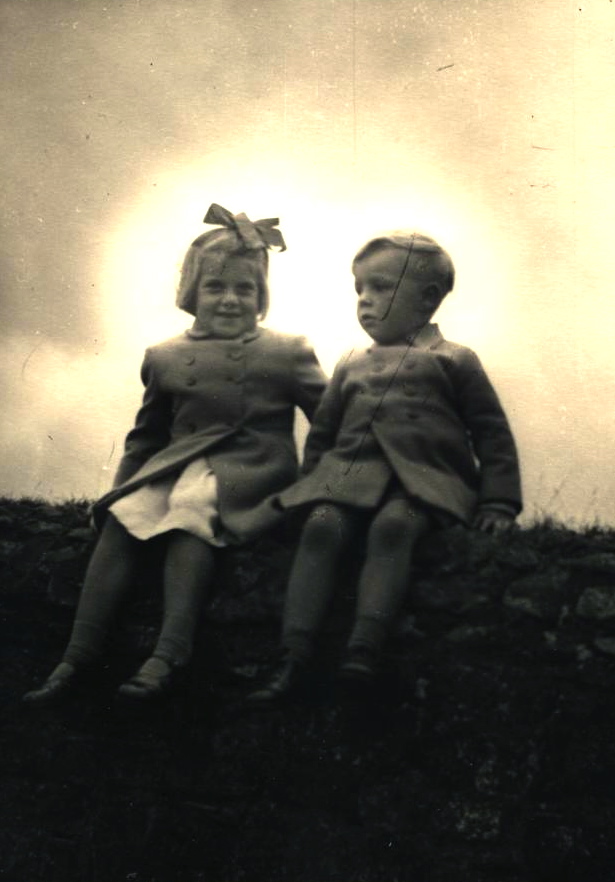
x=397, y=523
x=326, y=523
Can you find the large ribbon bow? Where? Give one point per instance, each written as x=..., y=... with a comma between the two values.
x=254, y=234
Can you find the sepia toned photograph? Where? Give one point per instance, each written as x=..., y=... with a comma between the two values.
x=307, y=518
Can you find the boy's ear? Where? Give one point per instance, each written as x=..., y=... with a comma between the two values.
x=432, y=296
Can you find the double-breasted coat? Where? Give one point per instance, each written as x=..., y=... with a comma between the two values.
x=231, y=400
x=425, y=413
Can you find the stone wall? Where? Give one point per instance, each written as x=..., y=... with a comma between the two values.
x=487, y=753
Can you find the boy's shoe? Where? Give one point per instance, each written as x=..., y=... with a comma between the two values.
x=156, y=677
x=289, y=679
x=60, y=683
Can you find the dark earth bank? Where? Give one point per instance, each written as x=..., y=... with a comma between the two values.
x=486, y=754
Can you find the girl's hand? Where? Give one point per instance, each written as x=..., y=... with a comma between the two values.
x=493, y=521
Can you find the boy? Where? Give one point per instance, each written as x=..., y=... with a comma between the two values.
x=409, y=435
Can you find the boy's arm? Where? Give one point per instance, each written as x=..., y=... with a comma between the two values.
x=151, y=431
x=309, y=378
x=325, y=424
x=500, y=498
x=495, y=517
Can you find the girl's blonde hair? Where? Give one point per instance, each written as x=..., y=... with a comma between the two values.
x=220, y=241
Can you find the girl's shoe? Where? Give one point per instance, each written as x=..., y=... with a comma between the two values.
x=156, y=677
x=60, y=683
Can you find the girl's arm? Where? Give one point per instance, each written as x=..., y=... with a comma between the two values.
x=309, y=378
x=326, y=423
x=151, y=431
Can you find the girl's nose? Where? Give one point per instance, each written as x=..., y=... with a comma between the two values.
x=229, y=294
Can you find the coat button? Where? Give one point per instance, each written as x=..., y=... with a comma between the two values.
x=412, y=415
x=189, y=359
x=235, y=354
x=191, y=381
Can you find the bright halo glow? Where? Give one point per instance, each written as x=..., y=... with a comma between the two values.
x=311, y=284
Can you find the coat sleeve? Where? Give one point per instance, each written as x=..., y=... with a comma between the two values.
x=490, y=433
x=326, y=423
x=152, y=428
x=309, y=378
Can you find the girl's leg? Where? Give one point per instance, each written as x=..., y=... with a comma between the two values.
x=107, y=581
x=384, y=580
x=313, y=576
x=188, y=572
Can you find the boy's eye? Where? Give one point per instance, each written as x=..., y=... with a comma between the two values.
x=381, y=286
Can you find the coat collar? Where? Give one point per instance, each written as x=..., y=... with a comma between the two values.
x=429, y=337
x=195, y=334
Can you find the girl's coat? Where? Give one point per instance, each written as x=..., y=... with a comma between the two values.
x=426, y=413
x=231, y=400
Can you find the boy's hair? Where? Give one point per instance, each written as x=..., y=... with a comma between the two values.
x=220, y=242
x=424, y=256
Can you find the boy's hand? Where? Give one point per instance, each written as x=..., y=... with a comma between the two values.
x=490, y=521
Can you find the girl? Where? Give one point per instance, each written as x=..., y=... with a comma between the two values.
x=409, y=434
x=212, y=441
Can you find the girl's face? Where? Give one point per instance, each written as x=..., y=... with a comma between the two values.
x=393, y=303
x=227, y=297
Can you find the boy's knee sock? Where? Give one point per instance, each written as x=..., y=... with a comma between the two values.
x=368, y=636
x=298, y=644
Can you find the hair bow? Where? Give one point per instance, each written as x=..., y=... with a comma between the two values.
x=254, y=234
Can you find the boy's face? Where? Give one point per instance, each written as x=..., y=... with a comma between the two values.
x=393, y=302
x=227, y=297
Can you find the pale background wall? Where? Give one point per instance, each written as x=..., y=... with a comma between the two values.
x=487, y=123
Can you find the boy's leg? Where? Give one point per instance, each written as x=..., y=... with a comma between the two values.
x=107, y=581
x=384, y=580
x=188, y=571
x=313, y=576
x=311, y=584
